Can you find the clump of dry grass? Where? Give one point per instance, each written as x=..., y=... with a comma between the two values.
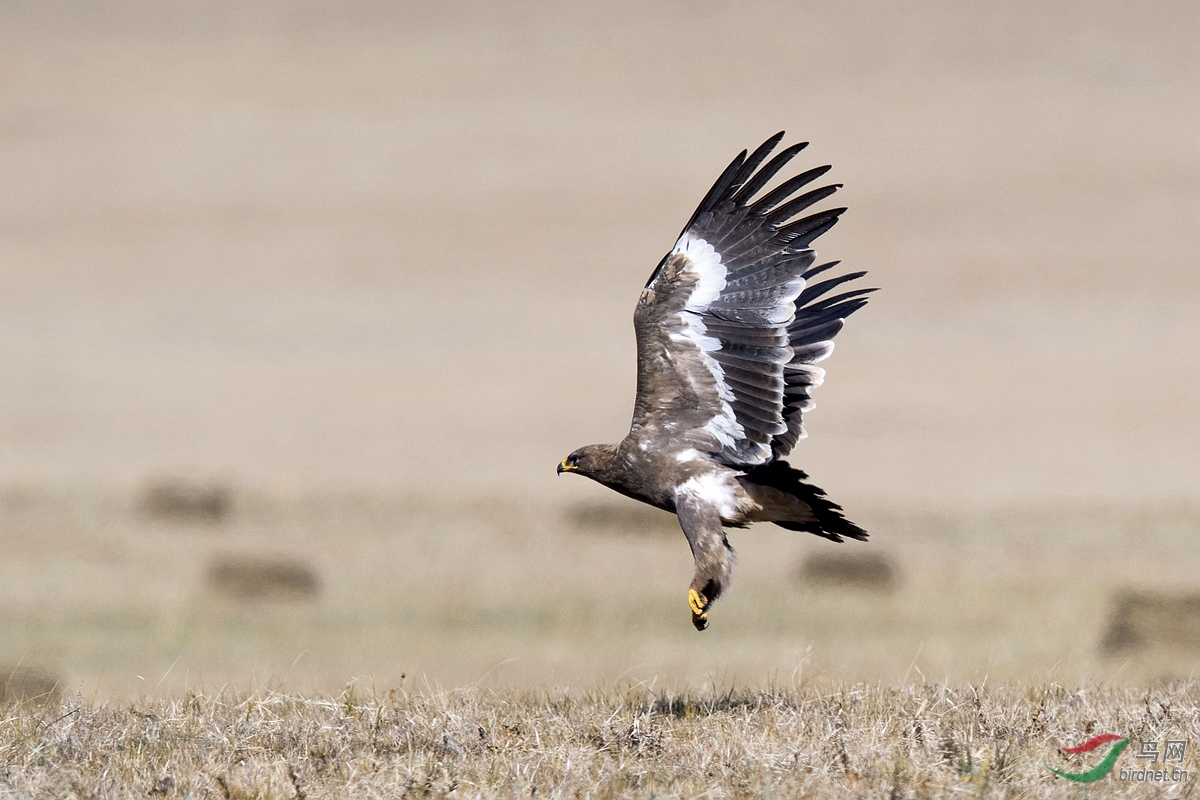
x=188, y=501
x=249, y=578
x=856, y=570
x=1148, y=620
x=853, y=741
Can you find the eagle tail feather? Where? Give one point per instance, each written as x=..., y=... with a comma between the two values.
x=817, y=513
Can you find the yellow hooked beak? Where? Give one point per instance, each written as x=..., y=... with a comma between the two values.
x=565, y=467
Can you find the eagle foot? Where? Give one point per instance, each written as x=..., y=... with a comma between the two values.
x=699, y=605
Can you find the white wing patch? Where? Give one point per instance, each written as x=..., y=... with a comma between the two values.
x=696, y=332
x=705, y=262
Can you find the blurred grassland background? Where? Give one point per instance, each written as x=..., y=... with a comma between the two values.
x=301, y=303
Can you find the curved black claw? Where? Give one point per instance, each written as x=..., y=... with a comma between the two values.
x=699, y=605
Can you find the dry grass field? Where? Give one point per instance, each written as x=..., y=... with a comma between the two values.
x=925, y=740
x=301, y=303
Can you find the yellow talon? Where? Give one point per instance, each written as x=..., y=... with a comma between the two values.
x=698, y=603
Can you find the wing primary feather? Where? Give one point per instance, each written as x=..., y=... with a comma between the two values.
x=787, y=263
x=737, y=173
x=763, y=424
x=793, y=207
x=774, y=270
x=812, y=352
x=815, y=290
x=754, y=377
x=751, y=354
x=718, y=189
x=818, y=269
x=826, y=304
x=764, y=298
x=734, y=217
x=825, y=331
x=844, y=309
x=740, y=334
x=802, y=232
x=764, y=413
x=765, y=421
x=744, y=240
x=783, y=191
x=756, y=158
x=852, y=306
x=766, y=173
x=741, y=388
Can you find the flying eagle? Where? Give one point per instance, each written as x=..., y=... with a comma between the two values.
x=730, y=328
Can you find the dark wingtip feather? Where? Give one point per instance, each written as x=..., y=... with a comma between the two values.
x=792, y=207
x=765, y=174
x=718, y=189
x=783, y=191
x=830, y=302
x=814, y=290
x=852, y=306
x=760, y=153
x=749, y=166
x=801, y=233
x=819, y=268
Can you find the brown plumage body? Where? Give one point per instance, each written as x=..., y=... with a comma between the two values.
x=729, y=328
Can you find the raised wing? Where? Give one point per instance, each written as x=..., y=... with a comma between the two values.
x=728, y=330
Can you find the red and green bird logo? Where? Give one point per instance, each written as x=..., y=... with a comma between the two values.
x=1106, y=764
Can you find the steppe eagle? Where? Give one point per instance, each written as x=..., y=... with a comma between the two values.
x=730, y=328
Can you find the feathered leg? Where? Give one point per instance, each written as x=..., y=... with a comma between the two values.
x=714, y=557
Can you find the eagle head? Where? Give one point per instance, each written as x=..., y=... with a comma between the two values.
x=590, y=460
